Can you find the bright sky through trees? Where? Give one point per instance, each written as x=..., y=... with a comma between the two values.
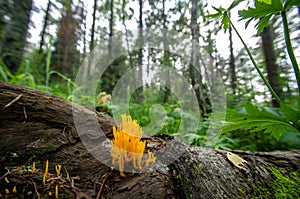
x=222, y=42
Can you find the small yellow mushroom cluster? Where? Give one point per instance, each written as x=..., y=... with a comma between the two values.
x=14, y=190
x=26, y=170
x=127, y=145
x=47, y=176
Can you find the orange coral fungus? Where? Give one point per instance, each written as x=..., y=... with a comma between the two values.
x=127, y=145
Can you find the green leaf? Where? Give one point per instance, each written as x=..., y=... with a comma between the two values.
x=213, y=16
x=225, y=22
x=220, y=9
x=290, y=3
x=265, y=1
x=263, y=23
x=256, y=119
x=216, y=15
x=234, y=4
x=261, y=10
x=248, y=22
x=250, y=108
x=275, y=4
x=290, y=113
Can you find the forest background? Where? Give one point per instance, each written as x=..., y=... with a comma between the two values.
x=69, y=30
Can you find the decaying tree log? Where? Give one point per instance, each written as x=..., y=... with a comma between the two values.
x=36, y=127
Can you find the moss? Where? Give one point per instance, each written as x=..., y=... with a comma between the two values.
x=283, y=186
x=241, y=191
x=286, y=186
x=183, y=186
x=197, y=169
x=262, y=190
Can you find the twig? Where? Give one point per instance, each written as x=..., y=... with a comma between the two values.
x=8, y=172
x=36, y=191
x=70, y=179
x=25, y=114
x=13, y=101
x=24, y=111
x=68, y=176
x=102, y=184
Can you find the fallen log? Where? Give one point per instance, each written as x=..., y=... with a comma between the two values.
x=38, y=129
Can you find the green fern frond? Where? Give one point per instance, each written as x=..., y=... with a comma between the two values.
x=267, y=120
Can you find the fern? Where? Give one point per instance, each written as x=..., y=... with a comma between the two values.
x=263, y=11
x=267, y=120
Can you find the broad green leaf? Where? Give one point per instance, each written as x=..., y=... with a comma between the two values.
x=264, y=9
x=234, y=4
x=290, y=113
x=277, y=133
x=263, y=23
x=257, y=12
x=266, y=125
x=255, y=119
x=216, y=15
x=248, y=22
x=290, y=3
x=232, y=115
x=275, y=4
x=261, y=10
x=270, y=111
x=251, y=109
x=265, y=1
x=220, y=9
x=225, y=22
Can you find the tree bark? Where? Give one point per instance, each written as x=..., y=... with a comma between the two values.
x=272, y=67
x=194, y=66
x=166, y=55
x=14, y=37
x=111, y=28
x=69, y=37
x=232, y=63
x=45, y=25
x=93, y=26
x=37, y=126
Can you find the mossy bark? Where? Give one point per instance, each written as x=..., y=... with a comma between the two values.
x=37, y=127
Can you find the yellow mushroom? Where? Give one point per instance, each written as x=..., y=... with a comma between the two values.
x=127, y=145
x=58, y=168
x=46, y=172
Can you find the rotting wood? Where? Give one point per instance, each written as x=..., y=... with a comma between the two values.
x=49, y=134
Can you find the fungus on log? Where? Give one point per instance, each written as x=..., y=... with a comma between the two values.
x=36, y=127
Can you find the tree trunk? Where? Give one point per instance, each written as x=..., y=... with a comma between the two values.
x=232, y=64
x=111, y=27
x=93, y=26
x=45, y=25
x=271, y=65
x=15, y=35
x=140, y=97
x=194, y=68
x=166, y=55
x=69, y=18
x=83, y=19
x=37, y=126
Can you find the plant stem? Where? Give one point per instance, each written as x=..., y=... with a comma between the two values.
x=255, y=64
x=48, y=62
x=290, y=48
